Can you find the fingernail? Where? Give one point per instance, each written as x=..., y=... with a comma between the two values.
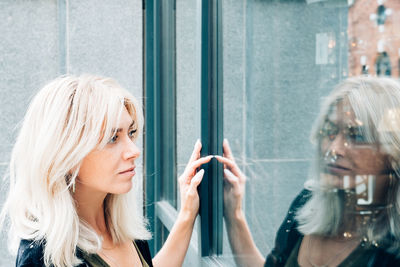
x=201, y=171
x=197, y=142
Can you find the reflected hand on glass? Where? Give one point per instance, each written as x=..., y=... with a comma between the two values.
x=239, y=235
x=234, y=183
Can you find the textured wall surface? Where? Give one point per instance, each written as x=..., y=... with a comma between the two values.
x=45, y=38
x=29, y=58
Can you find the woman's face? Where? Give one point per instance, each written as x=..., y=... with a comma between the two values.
x=110, y=170
x=347, y=158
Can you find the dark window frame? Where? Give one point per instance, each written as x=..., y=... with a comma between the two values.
x=211, y=198
x=160, y=124
x=159, y=109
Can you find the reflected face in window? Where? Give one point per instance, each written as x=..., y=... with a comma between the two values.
x=346, y=149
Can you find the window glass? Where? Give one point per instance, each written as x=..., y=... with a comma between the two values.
x=187, y=81
x=281, y=61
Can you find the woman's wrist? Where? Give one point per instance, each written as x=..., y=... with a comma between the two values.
x=186, y=216
x=234, y=216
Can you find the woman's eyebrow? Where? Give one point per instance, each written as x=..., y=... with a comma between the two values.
x=118, y=130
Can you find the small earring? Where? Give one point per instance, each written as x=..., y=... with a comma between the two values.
x=73, y=187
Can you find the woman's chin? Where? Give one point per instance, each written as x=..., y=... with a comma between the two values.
x=123, y=188
x=333, y=181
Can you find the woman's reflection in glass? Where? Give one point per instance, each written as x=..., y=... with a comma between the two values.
x=348, y=213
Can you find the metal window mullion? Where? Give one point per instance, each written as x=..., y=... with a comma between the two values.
x=168, y=102
x=160, y=117
x=152, y=120
x=211, y=205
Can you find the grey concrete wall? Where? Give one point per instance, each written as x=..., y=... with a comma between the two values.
x=29, y=58
x=273, y=84
x=43, y=39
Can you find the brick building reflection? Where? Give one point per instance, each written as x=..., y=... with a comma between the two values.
x=374, y=37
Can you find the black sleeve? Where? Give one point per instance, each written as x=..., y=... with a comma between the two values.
x=287, y=235
x=143, y=247
x=30, y=254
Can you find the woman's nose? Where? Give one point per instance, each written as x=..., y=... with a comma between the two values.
x=338, y=145
x=131, y=151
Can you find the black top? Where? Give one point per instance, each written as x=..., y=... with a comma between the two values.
x=30, y=254
x=288, y=236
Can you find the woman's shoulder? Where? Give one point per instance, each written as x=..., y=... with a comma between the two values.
x=287, y=235
x=300, y=199
x=30, y=253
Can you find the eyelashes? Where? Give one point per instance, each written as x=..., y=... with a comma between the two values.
x=113, y=139
x=132, y=133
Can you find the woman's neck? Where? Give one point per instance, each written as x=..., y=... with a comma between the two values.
x=90, y=208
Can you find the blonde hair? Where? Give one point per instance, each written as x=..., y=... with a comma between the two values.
x=66, y=120
x=376, y=102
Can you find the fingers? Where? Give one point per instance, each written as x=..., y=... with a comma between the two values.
x=230, y=164
x=196, y=151
x=197, y=163
x=226, y=161
x=230, y=177
x=227, y=150
x=233, y=184
x=196, y=180
x=192, y=167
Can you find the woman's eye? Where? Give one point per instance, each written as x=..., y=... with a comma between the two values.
x=113, y=139
x=329, y=130
x=358, y=138
x=355, y=135
x=132, y=133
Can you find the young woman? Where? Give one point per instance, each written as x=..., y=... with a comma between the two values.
x=349, y=213
x=71, y=173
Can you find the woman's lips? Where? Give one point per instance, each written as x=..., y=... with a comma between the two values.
x=130, y=171
x=337, y=169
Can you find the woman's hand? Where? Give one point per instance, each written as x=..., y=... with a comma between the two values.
x=189, y=181
x=175, y=247
x=234, y=183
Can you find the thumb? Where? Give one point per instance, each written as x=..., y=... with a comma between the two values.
x=196, y=180
x=232, y=179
